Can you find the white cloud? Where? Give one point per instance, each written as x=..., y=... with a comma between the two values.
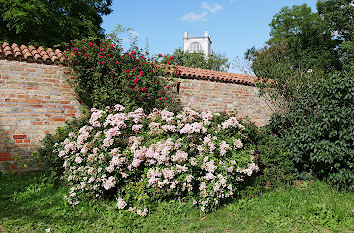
x=194, y=17
x=212, y=8
x=209, y=9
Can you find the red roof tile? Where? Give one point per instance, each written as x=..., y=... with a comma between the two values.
x=218, y=76
x=40, y=55
x=29, y=54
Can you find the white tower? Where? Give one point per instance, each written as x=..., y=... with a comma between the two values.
x=197, y=44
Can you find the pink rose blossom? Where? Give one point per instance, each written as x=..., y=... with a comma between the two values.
x=121, y=204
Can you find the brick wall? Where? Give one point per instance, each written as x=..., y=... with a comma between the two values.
x=225, y=97
x=34, y=100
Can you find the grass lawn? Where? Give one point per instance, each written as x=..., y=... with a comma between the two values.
x=28, y=205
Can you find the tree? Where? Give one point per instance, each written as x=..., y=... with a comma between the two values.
x=303, y=41
x=214, y=61
x=308, y=37
x=307, y=66
x=339, y=15
x=51, y=22
x=280, y=80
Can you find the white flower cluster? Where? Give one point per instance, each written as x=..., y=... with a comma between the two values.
x=164, y=153
x=232, y=122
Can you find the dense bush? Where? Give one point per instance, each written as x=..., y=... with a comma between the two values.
x=103, y=74
x=272, y=157
x=318, y=129
x=274, y=161
x=141, y=158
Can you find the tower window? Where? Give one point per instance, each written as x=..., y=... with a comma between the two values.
x=195, y=47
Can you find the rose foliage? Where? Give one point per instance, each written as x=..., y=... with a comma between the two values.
x=103, y=75
x=142, y=158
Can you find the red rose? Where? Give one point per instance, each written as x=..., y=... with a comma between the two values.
x=171, y=58
x=143, y=89
x=136, y=80
x=162, y=92
x=168, y=87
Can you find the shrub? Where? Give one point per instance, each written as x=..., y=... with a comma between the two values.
x=103, y=74
x=274, y=161
x=272, y=157
x=141, y=158
x=318, y=129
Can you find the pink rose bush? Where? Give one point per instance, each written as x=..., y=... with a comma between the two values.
x=141, y=158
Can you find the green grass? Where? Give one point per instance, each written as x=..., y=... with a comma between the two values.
x=28, y=205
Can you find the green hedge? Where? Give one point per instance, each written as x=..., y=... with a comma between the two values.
x=318, y=129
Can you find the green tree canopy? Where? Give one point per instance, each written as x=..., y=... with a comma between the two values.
x=214, y=61
x=309, y=39
x=339, y=16
x=304, y=41
x=51, y=22
x=313, y=40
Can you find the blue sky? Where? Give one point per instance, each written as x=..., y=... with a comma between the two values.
x=233, y=25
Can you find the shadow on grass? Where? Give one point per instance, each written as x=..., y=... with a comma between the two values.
x=26, y=200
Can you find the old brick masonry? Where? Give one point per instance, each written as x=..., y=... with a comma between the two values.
x=35, y=99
